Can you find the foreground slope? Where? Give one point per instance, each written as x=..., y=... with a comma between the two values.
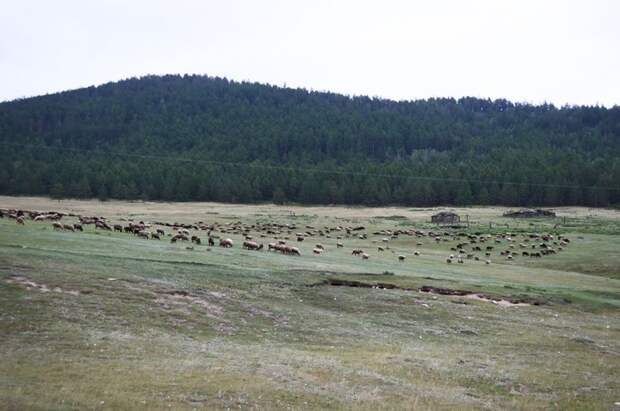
x=107, y=320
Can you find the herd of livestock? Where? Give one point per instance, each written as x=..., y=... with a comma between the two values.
x=469, y=246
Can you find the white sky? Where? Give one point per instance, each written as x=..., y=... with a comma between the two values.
x=524, y=50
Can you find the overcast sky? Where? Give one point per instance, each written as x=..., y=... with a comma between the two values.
x=561, y=51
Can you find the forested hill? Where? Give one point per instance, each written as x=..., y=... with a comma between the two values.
x=203, y=138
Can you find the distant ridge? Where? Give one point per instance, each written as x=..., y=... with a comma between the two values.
x=204, y=138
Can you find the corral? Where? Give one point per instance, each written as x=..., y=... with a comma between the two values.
x=446, y=217
x=529, y=213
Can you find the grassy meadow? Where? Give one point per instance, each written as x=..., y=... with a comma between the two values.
x=105, y=320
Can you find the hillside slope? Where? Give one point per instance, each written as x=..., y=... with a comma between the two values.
x=203, y=138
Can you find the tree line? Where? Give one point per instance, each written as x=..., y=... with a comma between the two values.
x=188, y=138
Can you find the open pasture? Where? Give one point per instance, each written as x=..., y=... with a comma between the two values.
x=105, y=319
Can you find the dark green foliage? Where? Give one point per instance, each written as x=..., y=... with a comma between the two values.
x=187, y=138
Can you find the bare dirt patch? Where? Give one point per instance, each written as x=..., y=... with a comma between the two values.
x=256, y=311
x=501, y=301
x=176, y=297
x=360, y=284
x=33, y=285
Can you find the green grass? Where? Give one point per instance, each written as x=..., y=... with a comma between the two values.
x=254, y=330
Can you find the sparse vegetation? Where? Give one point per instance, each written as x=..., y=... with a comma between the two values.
x=104, y=320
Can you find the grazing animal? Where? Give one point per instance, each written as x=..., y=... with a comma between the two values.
x=102, y=225
x=292, y=250
x=317, y=251
x=57, y=226
x=252, y=245
x=119, y=228
x=178, y=237
x=401, y=258
x=155, y=236
x=357, y=252
x=339, y=245
x=365, y=256
x=78, y=227
x=211, y=241
x=226, y=242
